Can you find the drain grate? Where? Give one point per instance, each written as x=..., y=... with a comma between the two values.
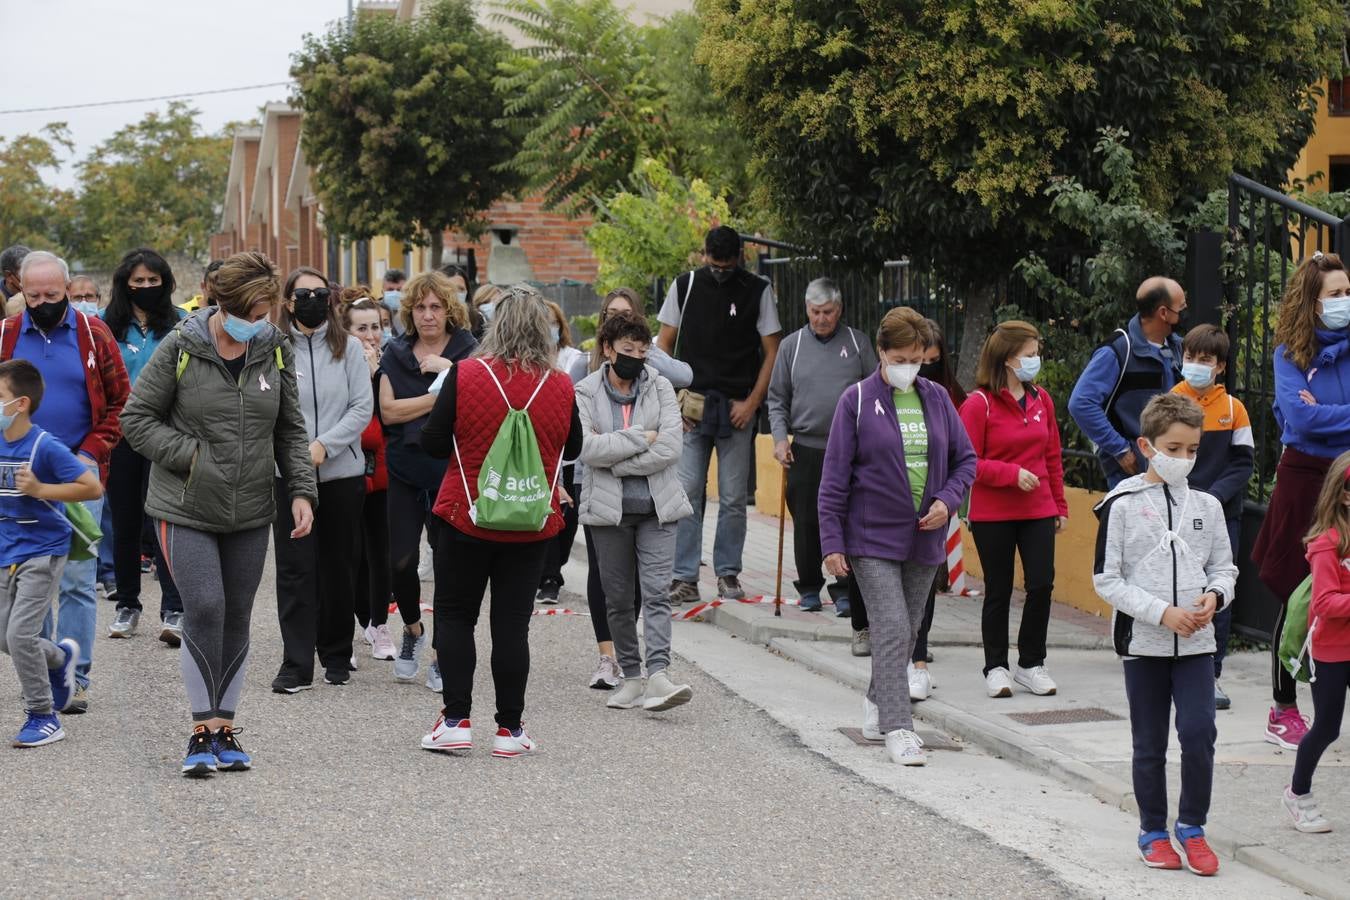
x=931, y=739
x=1065, y=716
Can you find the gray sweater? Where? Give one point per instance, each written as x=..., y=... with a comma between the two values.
x=809, y=376
x=337, y=400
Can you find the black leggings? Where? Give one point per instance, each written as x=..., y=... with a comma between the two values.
x=409, y=512
x=998, y=544
x=1284, y=686
x=595, y=594
x=560, y=547
x=464, y=569
x=1328, y=693
x=373, y=590
x=128, y=480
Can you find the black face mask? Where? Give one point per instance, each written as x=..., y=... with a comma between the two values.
x=932, y=371
x=46, y=315
x=312, y=311
x=628, y=367
x=147, y=298
x=721, y=276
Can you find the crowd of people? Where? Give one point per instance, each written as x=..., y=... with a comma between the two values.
x=451, y=432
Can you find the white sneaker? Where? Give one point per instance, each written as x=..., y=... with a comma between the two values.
x=434, y=682
x=662, y=693
x=506, y=745
x=1307, y=817
x=629, y=695
x=368, y=635
x=381, y=644
x=607, y=675
x=1036, y=679
x=905, y=747
x=446, y=736
x=920, y=683
x=997, y=683
x=871, y=721
x=425, y=565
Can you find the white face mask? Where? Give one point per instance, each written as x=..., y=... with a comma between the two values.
x=1171, y=469
x=901, y=375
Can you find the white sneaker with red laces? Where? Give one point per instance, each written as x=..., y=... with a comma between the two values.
x=449, y=736
x=507, y=744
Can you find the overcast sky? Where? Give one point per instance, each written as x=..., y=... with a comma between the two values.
x=60, y=52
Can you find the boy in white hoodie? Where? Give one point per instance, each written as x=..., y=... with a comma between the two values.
x=1164, y=562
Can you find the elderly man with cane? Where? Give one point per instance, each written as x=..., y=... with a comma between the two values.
x=814, y=366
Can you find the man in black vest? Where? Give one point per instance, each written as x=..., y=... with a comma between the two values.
x=723, y=322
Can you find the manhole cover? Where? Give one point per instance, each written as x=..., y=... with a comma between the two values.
x=931, y=739
x=1065, y=716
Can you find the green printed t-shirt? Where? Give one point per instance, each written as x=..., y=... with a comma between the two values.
x=914, y=434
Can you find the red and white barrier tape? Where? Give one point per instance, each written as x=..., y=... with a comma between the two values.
x=558, y=611
x=956, y=567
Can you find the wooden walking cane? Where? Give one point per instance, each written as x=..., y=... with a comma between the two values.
x=782, y=521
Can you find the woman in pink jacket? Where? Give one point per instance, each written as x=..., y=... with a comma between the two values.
x=1017, y=504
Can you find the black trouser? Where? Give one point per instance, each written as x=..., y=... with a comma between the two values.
x=1285, y=686
x=372, y=593
x=465, y=567
x=409, y=512
x=998, y=544
x=595, y=594
x=803, y=486
x=128, y=480
x=1328, y=693
x=561, y=546
x=921, y=640
x=316, y=577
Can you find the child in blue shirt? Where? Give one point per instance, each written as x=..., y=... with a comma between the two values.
x=37, y=474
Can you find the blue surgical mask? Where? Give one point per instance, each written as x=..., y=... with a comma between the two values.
x=387, y=336
x=1336, y=312
x=554, y=333
x=88, y=307
x=1028, y=368
x=486, y=311
x=242, y=331
x=1197, y=375
x=392, y=299
x=7, y=420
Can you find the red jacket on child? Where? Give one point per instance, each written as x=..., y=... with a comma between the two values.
x=1008, y=438
x=1330, y=604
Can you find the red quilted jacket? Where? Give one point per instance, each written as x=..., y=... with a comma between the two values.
x=479, y=412
x=372, y=444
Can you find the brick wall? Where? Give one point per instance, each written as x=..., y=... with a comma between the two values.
x=554, y=244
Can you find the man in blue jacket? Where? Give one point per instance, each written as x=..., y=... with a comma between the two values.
x=1139, y=361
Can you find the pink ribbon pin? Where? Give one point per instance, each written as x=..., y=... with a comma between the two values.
x=877, y=404
x=262, y=384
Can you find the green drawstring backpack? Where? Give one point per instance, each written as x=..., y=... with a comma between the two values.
x=1296, y=638
x=84, y=531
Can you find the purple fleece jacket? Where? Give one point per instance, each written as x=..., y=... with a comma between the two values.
x=864, y=501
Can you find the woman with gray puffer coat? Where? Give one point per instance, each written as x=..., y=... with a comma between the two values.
x=631, y=498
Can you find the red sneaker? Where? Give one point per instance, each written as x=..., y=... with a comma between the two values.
x=1199, y=858
x=1157, y=852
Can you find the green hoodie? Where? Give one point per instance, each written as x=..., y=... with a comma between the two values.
x=213, y=441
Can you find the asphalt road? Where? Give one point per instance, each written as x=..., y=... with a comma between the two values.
x=711, y=799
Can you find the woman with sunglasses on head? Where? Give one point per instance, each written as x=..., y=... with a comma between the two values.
x=316, y=575
x=435, y=337
x=140, y=314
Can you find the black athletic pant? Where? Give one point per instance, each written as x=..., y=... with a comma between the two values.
x=465, y=568
x=561, y=546
x=409, y=512
x=998, y=544
x=803, y=488
x=128, y=481
x=595, y=594
x=1328, y=693
x=316, y=577
x=373, y=590
x=1285, y=686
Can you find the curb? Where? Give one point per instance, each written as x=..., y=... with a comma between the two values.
x=1075, y=774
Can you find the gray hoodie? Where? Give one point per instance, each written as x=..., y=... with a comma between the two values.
x=337, y=400
x=1160, y=546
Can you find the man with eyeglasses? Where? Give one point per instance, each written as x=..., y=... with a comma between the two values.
x=1141, y=360
x=84, y=295
x=723, y=322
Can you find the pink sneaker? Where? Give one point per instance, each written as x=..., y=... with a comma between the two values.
x=1286, y=727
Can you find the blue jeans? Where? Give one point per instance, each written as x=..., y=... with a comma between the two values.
x=733, y=486
x=105, y=548
x=1154, y=686
x=78, y=606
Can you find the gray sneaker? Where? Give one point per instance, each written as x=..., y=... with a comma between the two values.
x=862, y=643
x=729, y=588
x=629, y=695
x=409, y=658
x=662, y=694
x=434, y=682
x=171, y=632
x=682, y=592
x=124, y=623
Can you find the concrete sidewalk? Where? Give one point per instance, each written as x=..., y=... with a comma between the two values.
x=1087, y=743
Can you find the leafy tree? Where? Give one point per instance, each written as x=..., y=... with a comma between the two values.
x=931, y=131
x=30, y=209
x=400, y=124
x=156, y=183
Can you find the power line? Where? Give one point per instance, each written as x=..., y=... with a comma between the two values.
x=233, y=90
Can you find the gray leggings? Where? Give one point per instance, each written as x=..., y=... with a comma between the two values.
x=896, y=593
x=218, y=575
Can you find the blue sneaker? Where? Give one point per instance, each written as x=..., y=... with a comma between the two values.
x=230, y=757
x=843, y=609
x=201, y=753
x=41, y=728
x=63, y=676
x=810, y=602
